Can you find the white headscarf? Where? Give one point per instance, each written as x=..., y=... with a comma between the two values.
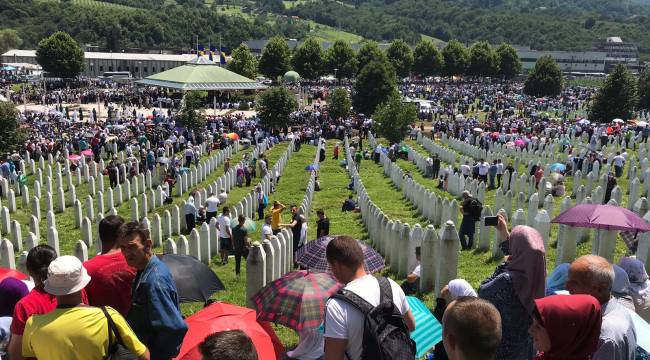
x=639, y=283
x=459, y=288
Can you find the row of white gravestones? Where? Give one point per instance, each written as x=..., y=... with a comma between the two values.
x=155, y=200
x=268, y=261
x=397, y=241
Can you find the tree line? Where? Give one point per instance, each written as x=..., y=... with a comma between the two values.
x=340, y=59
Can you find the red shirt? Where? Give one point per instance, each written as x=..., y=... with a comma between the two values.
x=37, y=302
x=110, y=283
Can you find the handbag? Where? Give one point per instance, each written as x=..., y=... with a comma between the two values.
x=116, y=350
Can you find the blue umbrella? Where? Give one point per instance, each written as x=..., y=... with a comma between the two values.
x=558, y=167
x=312, y=167
x=8, y=68
x=642, y=331
x=428, y=331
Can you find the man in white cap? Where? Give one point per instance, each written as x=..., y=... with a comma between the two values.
x=74, y=330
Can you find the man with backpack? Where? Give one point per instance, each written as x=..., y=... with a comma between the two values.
x=366, y=310
x=471, y=209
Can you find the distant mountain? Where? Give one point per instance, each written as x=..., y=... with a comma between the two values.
x=541, y=24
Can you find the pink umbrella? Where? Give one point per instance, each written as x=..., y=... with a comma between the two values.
x=606, y=217
x=87, y=152
x=520, y=142
x=74, y=157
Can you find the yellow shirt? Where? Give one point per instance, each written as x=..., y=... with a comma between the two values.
x=275, y=218
x=75, y=333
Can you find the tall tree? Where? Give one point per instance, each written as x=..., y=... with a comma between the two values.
x=544, y=79
x=400, y=56
x=368, y=52
x=275, y=59
x=9, y=39
x=274, y=107
x=375, y=85
x=307, y=60
x=60, y=55
x=643, y=89
x=427, y=60
x=483, y=61
x=340, y=60
x=11, y=136
x=456, y=58
x=338, y=104
x=509, y=61
x=243, y=62
x=616, y=98
x=392, y=119
x=190, y=116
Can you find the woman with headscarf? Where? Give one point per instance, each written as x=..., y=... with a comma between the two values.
x=452, y=291
x=514, y=286
x=639, y=285
x=191, y=212
x=566, y=327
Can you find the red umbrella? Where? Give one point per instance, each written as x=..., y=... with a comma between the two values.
x=606, y=217
x=222, y=316
x=7, y=273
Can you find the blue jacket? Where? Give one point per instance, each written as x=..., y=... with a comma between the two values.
x=155, y=315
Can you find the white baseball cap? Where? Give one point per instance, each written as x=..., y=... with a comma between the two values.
x=66, y=275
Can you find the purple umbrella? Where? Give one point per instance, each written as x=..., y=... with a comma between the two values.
x=312, y=255
x=606, y=217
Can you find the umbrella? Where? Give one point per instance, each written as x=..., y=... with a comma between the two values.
x=557, y=167
x=163, y=160
x=641, y=124
x=87, y=152
x=194, y=280
x=584, y=122
x=221, y=317
x=312, y=167
x=520, y=142
x=232, y=136
x=478, y=129
x=618, y=121
x=296, y=300
x=249, y=225
x=74, y=157
x=7, y=273
x=312, y=255
x=460, y=117
x=428, y=331
x=605, y=217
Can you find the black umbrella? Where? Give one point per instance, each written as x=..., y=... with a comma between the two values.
x=194, y=280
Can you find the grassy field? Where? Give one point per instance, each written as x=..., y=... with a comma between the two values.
x=97, y=4
x=331, y=34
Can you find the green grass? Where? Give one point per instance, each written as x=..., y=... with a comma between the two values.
x=331, y=34
x=434, y=40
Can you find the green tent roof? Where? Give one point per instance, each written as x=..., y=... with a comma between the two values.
x=200, y=74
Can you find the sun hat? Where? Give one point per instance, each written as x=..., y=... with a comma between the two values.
x=66, y=275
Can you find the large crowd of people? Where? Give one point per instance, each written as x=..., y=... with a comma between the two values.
x=68, y=308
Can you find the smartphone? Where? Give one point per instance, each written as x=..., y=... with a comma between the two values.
x=490, y=221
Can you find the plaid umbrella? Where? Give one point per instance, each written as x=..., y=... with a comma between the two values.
x=312, y=255
x=296, y=300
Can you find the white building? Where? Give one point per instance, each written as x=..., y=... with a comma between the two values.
x=97, y=63
x=571, y=62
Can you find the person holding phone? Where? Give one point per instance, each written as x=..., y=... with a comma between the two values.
x=514, y=286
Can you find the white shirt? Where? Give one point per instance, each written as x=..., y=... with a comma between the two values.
x=483, y=168
x=465, y=169
x=500, y=168
x=224, y=223
x=266, y=230
x=416, y=271
x=213, y=204
x=342, y=321
x=618, y=160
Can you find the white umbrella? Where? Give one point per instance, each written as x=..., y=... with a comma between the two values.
x=618, y=121
x=478, y=129
x=584, y=122
x=460, y=117
x=641, y=123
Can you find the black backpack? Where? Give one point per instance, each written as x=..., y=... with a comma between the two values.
x=475, y=209
x=385, y=335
